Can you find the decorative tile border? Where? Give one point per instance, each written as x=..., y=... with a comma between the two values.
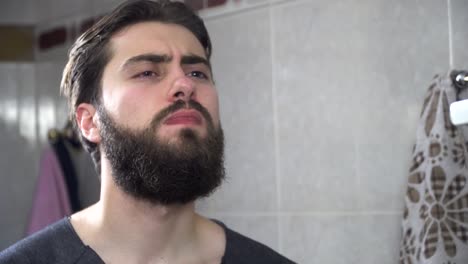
x=50, y=38
x=59, y=35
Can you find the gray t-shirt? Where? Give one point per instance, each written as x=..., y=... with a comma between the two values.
x=59, y=243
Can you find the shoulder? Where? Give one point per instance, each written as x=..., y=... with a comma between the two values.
x=54, y=244
x=241, y=249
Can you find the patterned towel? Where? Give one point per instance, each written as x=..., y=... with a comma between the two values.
x=435, y=219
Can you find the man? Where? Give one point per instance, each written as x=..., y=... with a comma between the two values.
x=141, y=91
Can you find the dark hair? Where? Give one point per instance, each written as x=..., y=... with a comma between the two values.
x=81, y=81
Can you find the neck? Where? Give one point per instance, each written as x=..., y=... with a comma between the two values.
x=146, y=231
x=135, y=221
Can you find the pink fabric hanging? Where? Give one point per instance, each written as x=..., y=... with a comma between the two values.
x=51, y=201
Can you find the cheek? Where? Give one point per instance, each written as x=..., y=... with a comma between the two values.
x=132, y=108
x=212, y=105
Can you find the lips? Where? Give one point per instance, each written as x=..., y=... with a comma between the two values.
x=184, y=117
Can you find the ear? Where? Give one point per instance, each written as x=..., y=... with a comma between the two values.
x=87, y=119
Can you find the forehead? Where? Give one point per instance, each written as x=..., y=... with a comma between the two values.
x=154, y=37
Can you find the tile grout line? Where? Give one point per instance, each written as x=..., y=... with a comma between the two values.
x=275, y=129
x=357, y=169
x=304, y=213
x=449, y=17
x=208, y=14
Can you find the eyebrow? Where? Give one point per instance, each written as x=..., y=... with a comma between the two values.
x=162, y=58
x=152, y=58
x=195, y=59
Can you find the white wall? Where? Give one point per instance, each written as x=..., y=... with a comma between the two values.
x=319, y=102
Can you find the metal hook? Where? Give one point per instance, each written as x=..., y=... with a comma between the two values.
x=462, y=78
x=460, y=81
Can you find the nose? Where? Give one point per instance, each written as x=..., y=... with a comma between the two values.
x=183, y=89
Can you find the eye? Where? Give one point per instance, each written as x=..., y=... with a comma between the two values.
x=198, y=74
x=146, y=74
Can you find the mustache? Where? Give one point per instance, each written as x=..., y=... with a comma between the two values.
x=178, y=105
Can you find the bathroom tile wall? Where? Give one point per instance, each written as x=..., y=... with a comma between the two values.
x=341, y=238
x=19, y=150
x=319, y=103
x=18, y=12
x=51, y=108
x=459, y=19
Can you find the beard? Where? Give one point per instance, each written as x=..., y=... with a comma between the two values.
x=161, y=172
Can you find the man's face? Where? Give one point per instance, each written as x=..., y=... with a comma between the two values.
x=158, y=117
x=152, y=66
